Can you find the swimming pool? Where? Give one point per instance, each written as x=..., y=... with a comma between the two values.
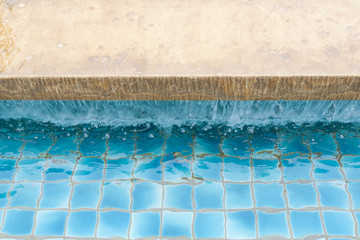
x=165, y=170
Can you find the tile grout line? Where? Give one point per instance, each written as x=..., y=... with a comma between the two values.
x=223, y=185
x=101, y=188
x=133, y=185
x=42, y=183
x=13, y=183
x=162, y=186
x=193, y=145
x=351, y=204
x=284, y=195
x=315, y=187
x=77, y=159
x=252, y=188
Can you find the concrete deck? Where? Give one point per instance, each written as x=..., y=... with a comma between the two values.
x=40, y=39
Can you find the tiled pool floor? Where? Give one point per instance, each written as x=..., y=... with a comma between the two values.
x=194, y=181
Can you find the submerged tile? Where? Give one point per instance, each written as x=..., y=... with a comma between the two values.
x=179, y=144
x=236, y=146
x=207, y=143
x=305, y=223
x=56, y=195
x=266, y=170
x=89, y=169
x=81, y=224
x=236, y=170
x=333, y=194
x=149, y=169
x=50, y=223
x=354, y=189
x=30, y=169
x=208, y=168
x=119, y=169
x=209, y=195
x=120, y=146
x=146, y=195
x=7, y=169
x=178, y=196
x=177, y=170
x=65, y=145
x=339, y=223
x=10, y=147
x=269, y=195
x=36, y=145
x=4, y=189
x=116, y=195
x=93, y=145
x=209, y=225
x=113, y=224
x=59, y=168
x=177, y=224
x=150, y=143
x=18, y=222
x=296, y=169
x=327, y=170
x=301, y=195
x=86, y=195
x=322, y=145
x=238, y=196
x=273, y=224
x=351, y=166
x=241, y=225
x=25, y=195
x=145, y=224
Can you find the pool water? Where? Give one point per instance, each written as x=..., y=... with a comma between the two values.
x=186, y=181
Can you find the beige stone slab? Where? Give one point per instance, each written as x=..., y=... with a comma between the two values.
x=179, y=37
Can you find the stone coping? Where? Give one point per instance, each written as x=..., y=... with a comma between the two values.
x=180, y=88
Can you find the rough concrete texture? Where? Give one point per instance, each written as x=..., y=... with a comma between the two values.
x=180, y=88
x=179, y=37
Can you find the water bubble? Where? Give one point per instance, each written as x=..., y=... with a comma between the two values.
x=341, y=136
x=151, y=136
x=250, y=130
x=235, y=148
x=85, y=135
x=182, y=130
x=68, y=134
x=124, y=139
x=107, y=136
x=36, y=137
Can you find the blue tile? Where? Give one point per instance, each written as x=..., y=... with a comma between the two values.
x=86, y=195
x=65, y=145
x=116, y=195
x=264, y=146
x=4, y=189
x=149, y=169
x=269, y=195
x=59, y=168
x=327, y=170
x=333, y=194
x=119, y=169
x=322, y=145
x=149, y=143
x=237, y=170
x=89, y=169
x=266, y=170
x=30, y=169
x=297, y=168
x=354, y=189
x=50, y=223
x=301, y=195
x=207, y=144
x=177, y=170
x=351, y=166
x=7, y=169
x=18, y=222
x=209, y=195
x=241, y=225
x=357, y=216
x=348, y=142
x=56, y=195
x=145, y=224
x=209, y=225
x=113, y=224
x=238, y=196
x=305, y=223
x=36, y=145
x=178, y=196
x=25, y=195
x=179, y=144
x=236, y=146
x=147, y=195
x=177, y=224
x=339, y=223
x=273, y=224
x=120, y=146
x=208, y=168
x=1, y=217
x=9, y=147
x=94, y=145
x=81, y=224
x=291, y=146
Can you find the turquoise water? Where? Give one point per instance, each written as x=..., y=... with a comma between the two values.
x=213, y=174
